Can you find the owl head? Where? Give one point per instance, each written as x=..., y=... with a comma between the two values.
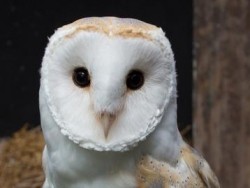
x=107, y=81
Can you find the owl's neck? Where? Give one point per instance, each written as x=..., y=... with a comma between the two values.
x=164, y=143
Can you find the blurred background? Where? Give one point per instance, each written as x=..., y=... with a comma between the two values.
x=211, y=43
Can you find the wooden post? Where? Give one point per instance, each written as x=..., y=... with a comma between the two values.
x=222, y=88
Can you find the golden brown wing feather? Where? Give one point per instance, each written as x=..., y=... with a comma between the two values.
x=190, y=170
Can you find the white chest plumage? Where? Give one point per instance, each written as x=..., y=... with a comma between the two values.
x=68, y=165
x=107, y=97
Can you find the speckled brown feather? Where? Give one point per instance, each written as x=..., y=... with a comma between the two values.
x=190, y=170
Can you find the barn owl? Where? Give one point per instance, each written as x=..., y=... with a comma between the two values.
x=108, y=109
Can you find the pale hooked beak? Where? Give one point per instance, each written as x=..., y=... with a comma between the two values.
x=107, y=120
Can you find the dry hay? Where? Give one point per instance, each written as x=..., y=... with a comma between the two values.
x=20, y=160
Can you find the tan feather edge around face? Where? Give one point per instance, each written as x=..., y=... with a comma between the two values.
x=111, y=26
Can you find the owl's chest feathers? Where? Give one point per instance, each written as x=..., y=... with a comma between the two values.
x=73, y=165
x=72, y=160
x=78, y=166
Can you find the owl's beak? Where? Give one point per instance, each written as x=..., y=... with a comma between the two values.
x=107, y=120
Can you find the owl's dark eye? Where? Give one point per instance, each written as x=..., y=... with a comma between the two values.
x=135, y=79
x=81, y=77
